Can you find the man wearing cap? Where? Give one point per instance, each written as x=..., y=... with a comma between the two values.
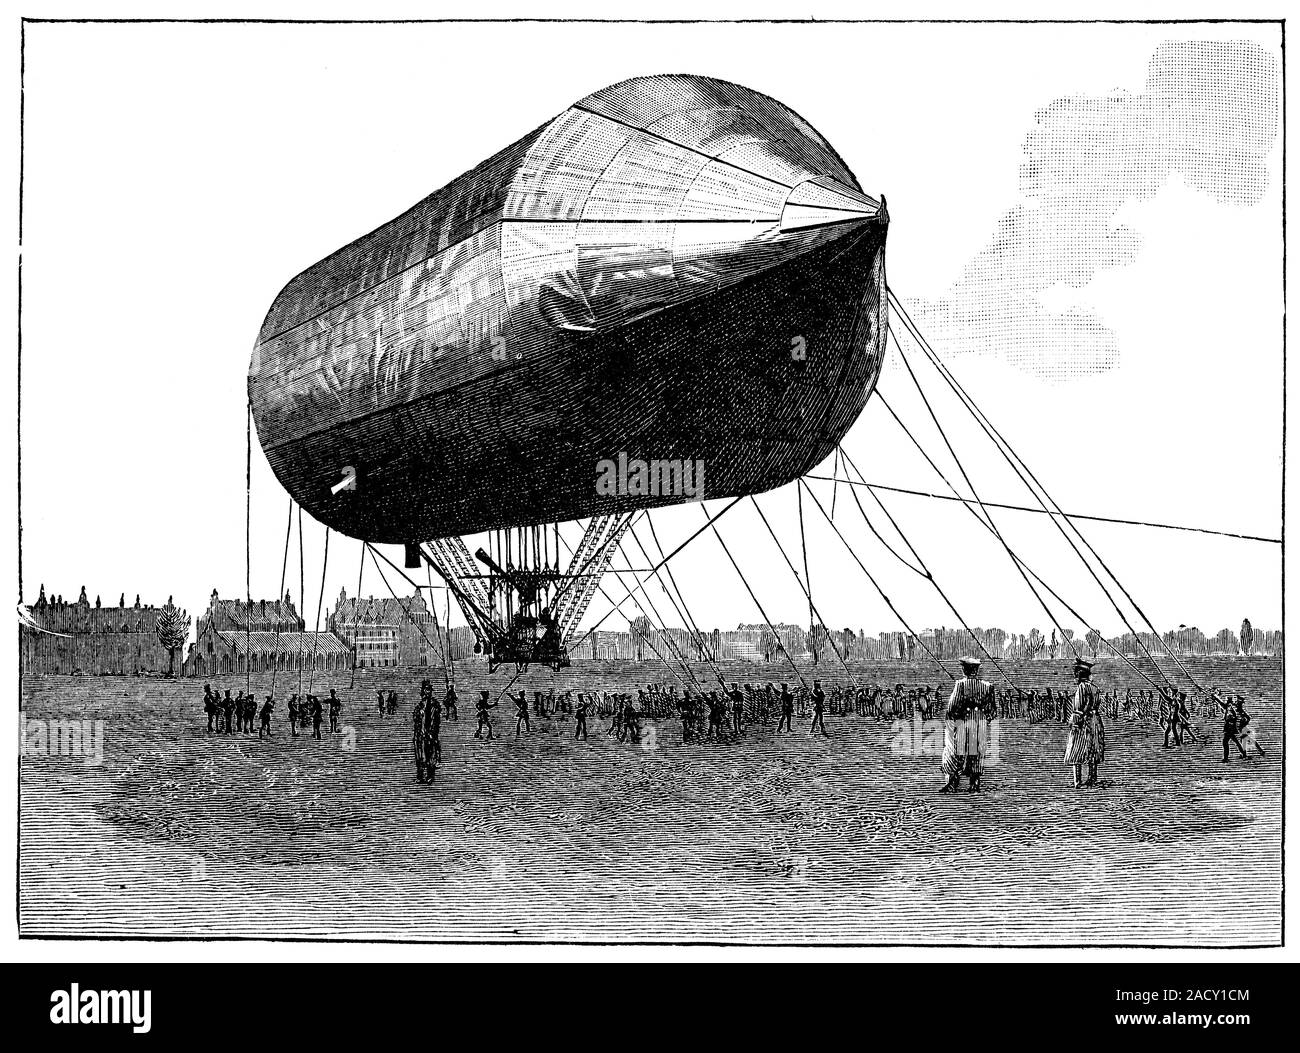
x=965, y=728
x=1086, y=742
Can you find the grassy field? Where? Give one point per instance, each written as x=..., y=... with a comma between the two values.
x=766, y=839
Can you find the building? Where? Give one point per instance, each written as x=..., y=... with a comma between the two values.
x=62, y=637
x=399, y=631
x=234, y=637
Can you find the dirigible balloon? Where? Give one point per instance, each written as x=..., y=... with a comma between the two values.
x=675, y=270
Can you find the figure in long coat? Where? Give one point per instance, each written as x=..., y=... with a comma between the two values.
x=1086, y=743
x=966, y=728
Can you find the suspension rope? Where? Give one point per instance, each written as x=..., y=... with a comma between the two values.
x=374, y=552
x=319, y=603
x=437, y=631
x=248, y=549
x=928, y=574
x=730, y=505
x=812, y=615
x=284, y=570
x=601, y=588
x=356, y=618
x=1008, y=454
x=816, y=613
x=1043, y=511
x=700, y=642
x=687, y=621
x=767, y=621
x=302, y=596
x=974, y=493
x=870, y=577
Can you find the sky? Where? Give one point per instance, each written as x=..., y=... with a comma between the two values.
x=1084, y=220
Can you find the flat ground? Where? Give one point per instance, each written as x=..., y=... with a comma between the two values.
x=790, y=839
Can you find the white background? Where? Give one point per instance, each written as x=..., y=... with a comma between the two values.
x=177, y=176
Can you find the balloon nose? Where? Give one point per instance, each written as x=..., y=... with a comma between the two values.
x=824, y=202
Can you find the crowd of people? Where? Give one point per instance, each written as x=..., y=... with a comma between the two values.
x=727, y=712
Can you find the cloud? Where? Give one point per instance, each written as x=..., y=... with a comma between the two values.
x=1208, y=112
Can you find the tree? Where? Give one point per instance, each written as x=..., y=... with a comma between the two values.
x=1033, y=644
x=173, y=629
x=641, y=629
x=768, y=644
x=1093, y=639
x=818, y=638
x=1247, y=636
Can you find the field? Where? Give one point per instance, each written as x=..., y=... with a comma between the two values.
x=791, y=839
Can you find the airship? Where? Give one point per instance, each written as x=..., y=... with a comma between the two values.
x=676, y=270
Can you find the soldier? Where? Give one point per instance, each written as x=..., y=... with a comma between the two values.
x=484, y=718
x=521, y=713
x=965, y=728
x=209, y=705
x=265, y=726
x=579, y=715
x=787, y=710
x=432, y=738
x=293, y=715
x=737, y=709
x=317, y=715
x=819, y=709
x=381, y=702
x=336, y=706
x=449, y=703
x=1175, y=717
x=227, y=713
x=417, y=740
x=1232, y=728
x=630, y=727
x=1086, y=741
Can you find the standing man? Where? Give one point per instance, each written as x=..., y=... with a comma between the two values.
x=521, y=713
x=787, y=710
x=317, y=715
x=1086, y=742
x=432, y=732
x=336, y=705
x=965, y=728
x=819, y=709
x=579, y=715
x=417, y=740
x=209, y=705
x=265, y=725
x=484, y=718
x=294, y=715
x=737, y=709
x=449, y=703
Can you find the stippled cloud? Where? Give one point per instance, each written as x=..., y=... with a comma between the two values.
x=1208, y=112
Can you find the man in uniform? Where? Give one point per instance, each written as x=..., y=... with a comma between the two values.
x=336, y=706
x=1086, y=742
x=965, y=728
x=417, y=740
x=521, y=714
x=209, y=705
x=819, y=709
x=787, y=710
x=265, y=725
x=484, y=718
x=1175, y=714
x=227, y=713
x=737, y=709
x=449, y=704
x=317, y=715
x=580, y=715
x=432, y=738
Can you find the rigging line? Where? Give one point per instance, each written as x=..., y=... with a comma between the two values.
x=657, y=624
x=302, y=595
x=982, y=522
x=974, y=493
x=356, y=621
x=732, y=504
x=610, y=599
x=835, y=473
x=284, y=571
x=320, y=602
x=688, y=622
x=919, y=571
x=849, y=465
x=685, y=620
x=437, y=631
x=767, y=621
x=1043, y=511
x=888, y=602
x=248, y=548
x=1000, y=442
x=695, y=629
x=781, y=548
x=812, y=615
x=405, y=610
